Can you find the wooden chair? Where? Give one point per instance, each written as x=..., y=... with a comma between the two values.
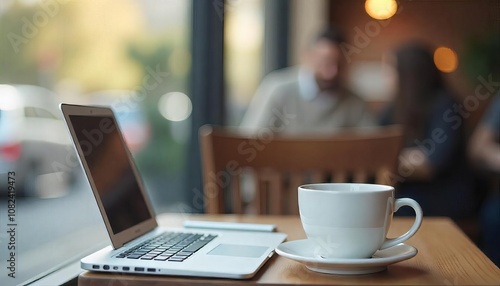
x=280, y=163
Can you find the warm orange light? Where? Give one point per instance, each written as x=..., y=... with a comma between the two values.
x=381, y=9
x=445, y=59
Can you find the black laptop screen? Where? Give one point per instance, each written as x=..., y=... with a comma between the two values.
x=110, y=168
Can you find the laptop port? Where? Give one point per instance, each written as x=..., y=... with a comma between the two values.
x=139, y=269
x=126, y=268
x=105, y=267
x=95, y=266
x=151, y=270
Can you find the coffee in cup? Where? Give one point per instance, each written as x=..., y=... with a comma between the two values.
x=350, y=220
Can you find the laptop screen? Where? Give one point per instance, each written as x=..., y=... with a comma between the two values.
x=110, y=169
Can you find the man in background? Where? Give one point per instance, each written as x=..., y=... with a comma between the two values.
x=309, y=98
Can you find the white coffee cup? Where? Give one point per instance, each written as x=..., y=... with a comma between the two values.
x=349, y=220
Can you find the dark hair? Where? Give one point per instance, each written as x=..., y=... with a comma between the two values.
x=332, y=35
x=420, y=84
x=417, y=73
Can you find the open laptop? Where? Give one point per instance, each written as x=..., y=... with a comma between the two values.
x=139, y=245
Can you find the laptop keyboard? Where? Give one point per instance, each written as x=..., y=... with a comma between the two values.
x=168, y=246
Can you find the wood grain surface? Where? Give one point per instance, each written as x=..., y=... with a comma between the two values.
x=445, y=257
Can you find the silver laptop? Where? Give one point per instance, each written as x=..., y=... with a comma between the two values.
x=139, y=245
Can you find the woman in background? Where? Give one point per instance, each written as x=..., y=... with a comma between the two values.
x=433, y=167
x=484, y=151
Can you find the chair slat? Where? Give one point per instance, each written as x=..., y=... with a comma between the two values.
x=259, y=193
x=383, y=177
x=360, y=177
x=339, y=177
x=237, y=198
x=275, y=193
x=314, y=155
x=296, y=180
x=317, y=176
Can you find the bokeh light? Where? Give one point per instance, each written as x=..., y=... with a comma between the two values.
x=381, y=9
x=175, y=106
x=445, y=59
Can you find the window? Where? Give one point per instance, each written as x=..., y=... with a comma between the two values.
x=244, y=54
x=131, y=55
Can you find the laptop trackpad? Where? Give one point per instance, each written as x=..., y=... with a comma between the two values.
x=239, y=250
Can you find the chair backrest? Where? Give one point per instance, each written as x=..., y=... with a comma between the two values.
x=278, y=164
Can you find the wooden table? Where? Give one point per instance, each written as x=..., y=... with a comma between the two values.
x=445, y=257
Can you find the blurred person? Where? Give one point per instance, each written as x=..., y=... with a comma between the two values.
x=484, y=151
x=433, y=167
x=310, y=97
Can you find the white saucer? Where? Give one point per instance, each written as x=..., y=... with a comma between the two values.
x=303, y=252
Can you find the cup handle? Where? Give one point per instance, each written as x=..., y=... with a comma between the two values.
x=389, y=242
